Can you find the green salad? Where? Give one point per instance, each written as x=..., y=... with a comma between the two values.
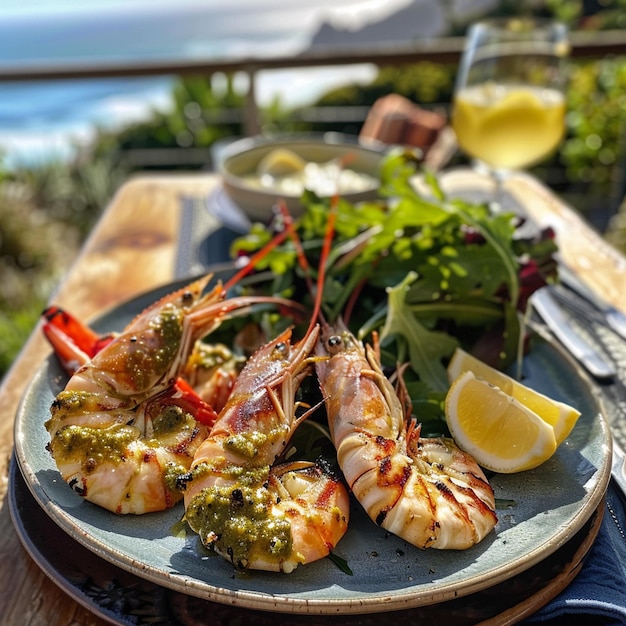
x=425, y=272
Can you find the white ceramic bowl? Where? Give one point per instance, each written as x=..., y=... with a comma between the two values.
x=241, y=160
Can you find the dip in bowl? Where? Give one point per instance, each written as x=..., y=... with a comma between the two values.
x=258, y=172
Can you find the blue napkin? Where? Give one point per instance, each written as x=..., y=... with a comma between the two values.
x=597, y=596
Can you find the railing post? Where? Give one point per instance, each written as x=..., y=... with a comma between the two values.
x=251, y=122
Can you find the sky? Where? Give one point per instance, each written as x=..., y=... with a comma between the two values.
x=189, y=28
x=25, y=7
x=346, y=13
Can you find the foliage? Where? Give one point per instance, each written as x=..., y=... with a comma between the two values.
x=424, y=82
x=15, y=327
x=596, y=123
x=31, y=263
x=600, y=15
x=45, y=214
x=567, y=11
x=593, y=153
x=192, y=122
x=71, y=193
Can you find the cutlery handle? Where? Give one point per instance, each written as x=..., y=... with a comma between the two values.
x=550, y=312
x=618, y=468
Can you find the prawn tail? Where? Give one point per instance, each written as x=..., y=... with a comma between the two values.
x=74, y=343
x=316, y=503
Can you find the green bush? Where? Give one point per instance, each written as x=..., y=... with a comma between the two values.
x=593, y=151
x=35, y=249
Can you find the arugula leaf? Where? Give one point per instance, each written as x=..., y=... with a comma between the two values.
x=426, y=348
x=498, y=233
x=341, y=563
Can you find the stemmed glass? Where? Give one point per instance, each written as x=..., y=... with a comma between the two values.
x=509, y=104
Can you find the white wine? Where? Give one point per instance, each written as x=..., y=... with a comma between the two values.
x=508, y=126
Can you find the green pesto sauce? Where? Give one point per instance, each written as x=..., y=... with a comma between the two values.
x=240, y=519
x=211, y=356
x=246, y=444
x=169, y=324
x=144, y=360
x=249, y=444
x=244, y=475
x=171, y=420
x=73, y=402
x=81, y=443
x=174, y=477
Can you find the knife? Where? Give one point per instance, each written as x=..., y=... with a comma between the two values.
x=618, y=467
x=615, y=318
x=551, y=313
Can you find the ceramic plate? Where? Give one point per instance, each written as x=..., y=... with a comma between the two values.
x=127, y=600
x=551, y=504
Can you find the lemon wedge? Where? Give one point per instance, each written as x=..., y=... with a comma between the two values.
x=280, y=162
x=559, y=415
x=500, y=432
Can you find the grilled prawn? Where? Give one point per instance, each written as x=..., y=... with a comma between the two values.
x=425, y=490
x=256, y=514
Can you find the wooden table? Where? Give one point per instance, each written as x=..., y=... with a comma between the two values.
x=134, y=249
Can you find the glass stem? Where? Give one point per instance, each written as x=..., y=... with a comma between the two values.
x=497, y=205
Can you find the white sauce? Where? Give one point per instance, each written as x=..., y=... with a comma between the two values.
x=284, y=172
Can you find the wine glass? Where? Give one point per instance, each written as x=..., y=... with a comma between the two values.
x=509, y=104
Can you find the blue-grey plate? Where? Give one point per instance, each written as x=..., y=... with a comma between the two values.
x=124, y=599
x=551, y=503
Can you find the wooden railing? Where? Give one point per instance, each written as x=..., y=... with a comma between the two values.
x=585, y=44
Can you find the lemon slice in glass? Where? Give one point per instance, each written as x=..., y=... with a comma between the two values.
x=559, y=415
x=500, y=432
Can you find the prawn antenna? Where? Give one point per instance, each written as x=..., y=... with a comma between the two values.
x=255, y=258
x=302, y=260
